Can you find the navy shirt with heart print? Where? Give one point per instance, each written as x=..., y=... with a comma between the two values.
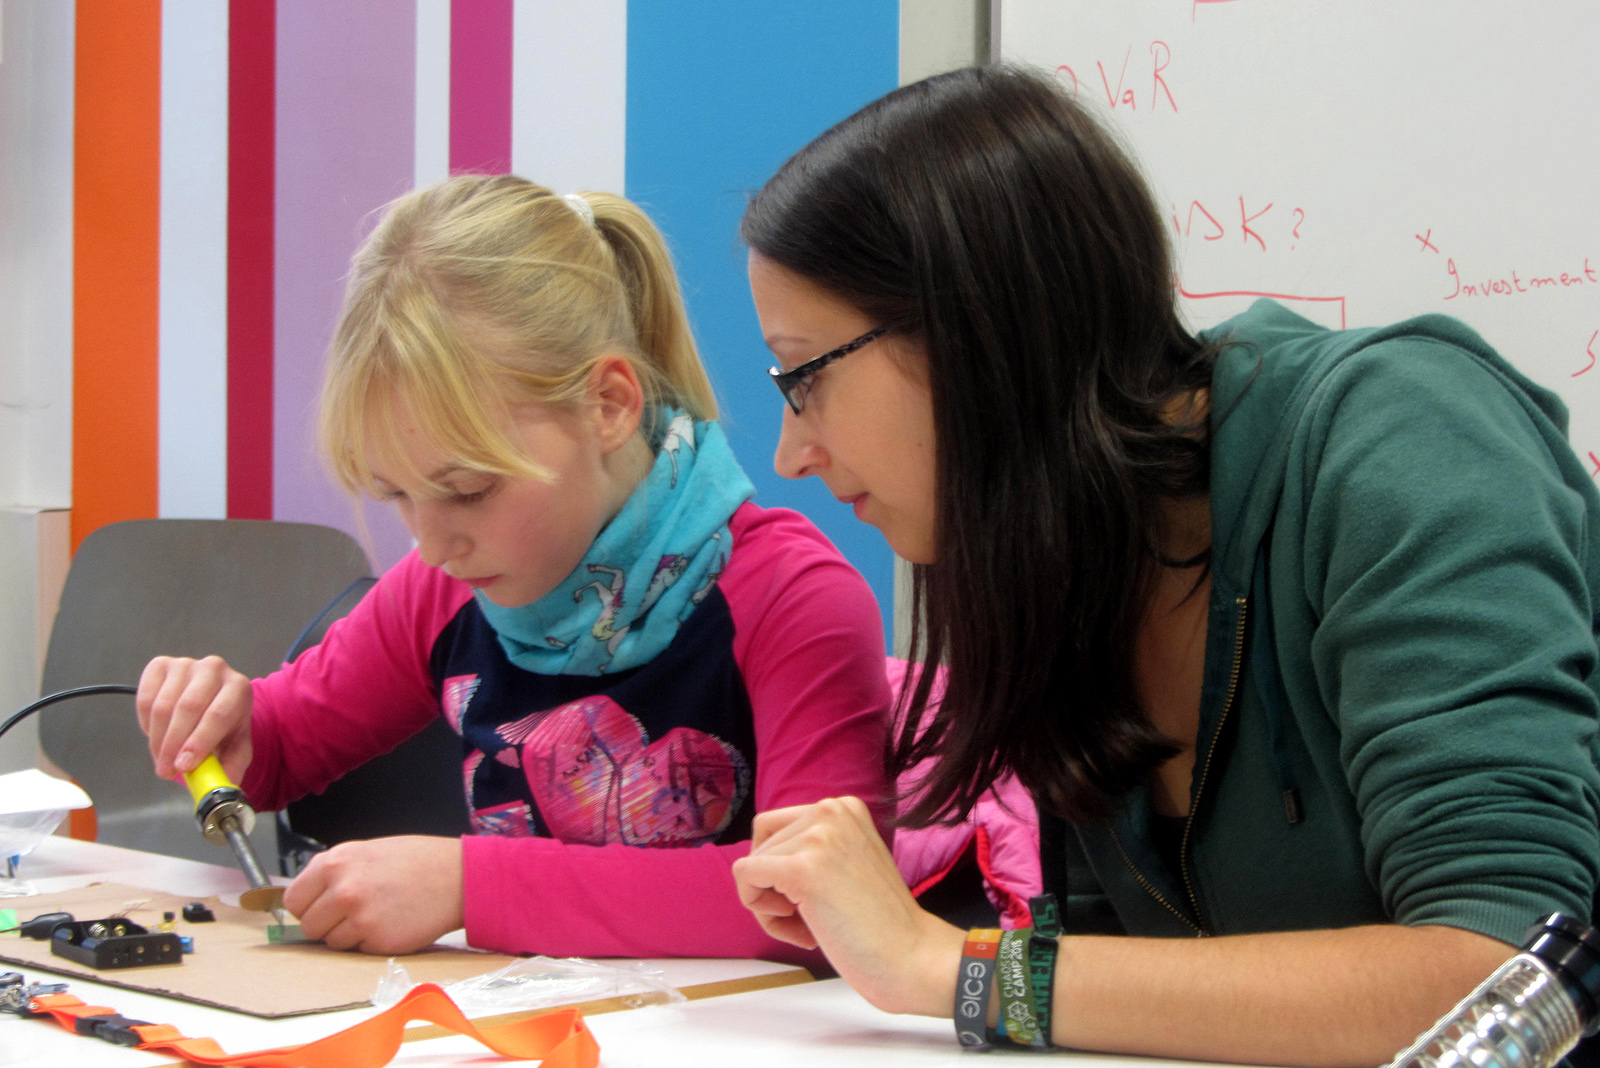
x=658, y=755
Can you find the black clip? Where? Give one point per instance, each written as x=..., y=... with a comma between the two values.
x=40, y=928
x=115, y=1028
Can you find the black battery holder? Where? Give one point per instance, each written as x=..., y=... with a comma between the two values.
x=114, y=943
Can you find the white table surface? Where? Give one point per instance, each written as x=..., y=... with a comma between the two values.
x=65, y=864
x=814, y=1025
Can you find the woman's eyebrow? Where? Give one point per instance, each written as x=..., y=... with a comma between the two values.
x=786, y=339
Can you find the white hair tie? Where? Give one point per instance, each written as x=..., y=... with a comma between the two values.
x=576, y=202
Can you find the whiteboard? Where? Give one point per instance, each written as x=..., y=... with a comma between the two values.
x=1364, y=161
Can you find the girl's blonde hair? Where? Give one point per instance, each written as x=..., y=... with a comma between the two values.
x=483, y=292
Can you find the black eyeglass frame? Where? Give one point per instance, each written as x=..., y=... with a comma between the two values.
x=790, y=382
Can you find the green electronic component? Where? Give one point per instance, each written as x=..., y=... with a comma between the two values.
x=287, y=934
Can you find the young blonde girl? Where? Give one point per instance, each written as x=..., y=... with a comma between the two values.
x=637, y=658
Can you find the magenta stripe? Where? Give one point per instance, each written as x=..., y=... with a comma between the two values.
x=480, y=86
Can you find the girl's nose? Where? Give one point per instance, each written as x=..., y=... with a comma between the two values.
x=798, y=455
x=438, y=542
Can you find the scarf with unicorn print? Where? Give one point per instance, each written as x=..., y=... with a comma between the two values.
x=646, y=572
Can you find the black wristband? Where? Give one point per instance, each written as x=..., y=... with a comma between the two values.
x=974, y=983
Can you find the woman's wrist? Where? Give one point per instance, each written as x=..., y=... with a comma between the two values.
x=932, y=981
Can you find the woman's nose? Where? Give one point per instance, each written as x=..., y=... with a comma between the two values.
x=798, y=455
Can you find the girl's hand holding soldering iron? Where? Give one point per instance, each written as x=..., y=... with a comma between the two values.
x=191, y=708
x=389, y=895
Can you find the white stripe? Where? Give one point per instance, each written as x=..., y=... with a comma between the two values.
x=192, y=476
x=433, y=91
x=569, y=93
x=36, y=122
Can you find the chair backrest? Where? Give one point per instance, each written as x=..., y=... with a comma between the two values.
x=242, y=589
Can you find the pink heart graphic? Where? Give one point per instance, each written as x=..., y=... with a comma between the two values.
x=597, y=782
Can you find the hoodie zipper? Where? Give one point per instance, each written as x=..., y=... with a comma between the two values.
x=1139, y=876
x=1243, y=604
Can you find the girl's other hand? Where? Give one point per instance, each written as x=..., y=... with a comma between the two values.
x=388, y=895
x=192, y=708
x=820, y=876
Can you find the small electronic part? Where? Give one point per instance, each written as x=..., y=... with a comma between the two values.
x=114, y=943
x=167, y=926
x=16, y=992
x=42, y=926
x=197, y=912
x=287, y=934
x=187, y=943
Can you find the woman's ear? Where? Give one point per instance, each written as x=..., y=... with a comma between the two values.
x=616, y=400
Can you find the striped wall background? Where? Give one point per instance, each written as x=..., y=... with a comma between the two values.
x=228, y=156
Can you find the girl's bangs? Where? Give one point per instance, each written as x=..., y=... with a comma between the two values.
x=437, y=386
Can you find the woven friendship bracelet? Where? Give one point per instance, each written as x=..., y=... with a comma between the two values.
x=1043, y=945
x=974, y=982
x=1018, y=1022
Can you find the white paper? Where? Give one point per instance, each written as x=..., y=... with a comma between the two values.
x=34, y=791
x=32, y=806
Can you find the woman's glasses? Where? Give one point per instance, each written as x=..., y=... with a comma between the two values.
x=795, y=383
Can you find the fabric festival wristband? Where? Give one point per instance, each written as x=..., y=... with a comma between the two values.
x=974, y=982
x=1043, y=945
x=1017, y=1020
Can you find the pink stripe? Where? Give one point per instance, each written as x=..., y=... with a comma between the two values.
x=480, y=86
x=345, y=98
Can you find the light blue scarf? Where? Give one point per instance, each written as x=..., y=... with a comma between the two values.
x=646, y=572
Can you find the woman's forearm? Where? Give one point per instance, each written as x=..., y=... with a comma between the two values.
x=1339, y=997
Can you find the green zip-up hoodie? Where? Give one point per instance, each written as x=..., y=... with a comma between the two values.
x=1398, y=719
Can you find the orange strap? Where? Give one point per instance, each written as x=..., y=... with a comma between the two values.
x=559, y=1039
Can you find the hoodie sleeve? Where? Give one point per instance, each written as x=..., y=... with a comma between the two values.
x=1449, y=563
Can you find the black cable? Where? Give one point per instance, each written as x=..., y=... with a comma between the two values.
x=301, y=644
x=50, y=699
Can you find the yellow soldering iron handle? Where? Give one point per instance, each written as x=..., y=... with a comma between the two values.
x=207, y=777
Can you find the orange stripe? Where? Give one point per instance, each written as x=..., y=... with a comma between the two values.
x=116, y=240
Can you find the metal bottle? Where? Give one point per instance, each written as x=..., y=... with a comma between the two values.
x=1529, y=1013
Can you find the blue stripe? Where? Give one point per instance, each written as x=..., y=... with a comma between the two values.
x=720, y=92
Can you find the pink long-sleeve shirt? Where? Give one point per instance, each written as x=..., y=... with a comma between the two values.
x=609, y=809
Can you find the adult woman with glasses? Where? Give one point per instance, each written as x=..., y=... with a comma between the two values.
x=1289, y=632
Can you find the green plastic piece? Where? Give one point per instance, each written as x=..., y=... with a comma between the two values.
x=287, y=934
x=8, y=920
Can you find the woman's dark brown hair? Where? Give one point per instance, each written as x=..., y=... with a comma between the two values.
x=988, y=217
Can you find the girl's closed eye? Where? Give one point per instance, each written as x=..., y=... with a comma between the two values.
x=474, y=492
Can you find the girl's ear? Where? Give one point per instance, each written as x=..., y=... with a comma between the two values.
x=616, y=400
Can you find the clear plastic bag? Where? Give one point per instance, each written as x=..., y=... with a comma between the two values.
x=20, y=834
x=540, y=983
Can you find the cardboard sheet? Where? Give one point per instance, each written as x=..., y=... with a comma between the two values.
x=233, y=966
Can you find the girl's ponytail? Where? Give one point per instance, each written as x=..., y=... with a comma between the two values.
x=654, y=300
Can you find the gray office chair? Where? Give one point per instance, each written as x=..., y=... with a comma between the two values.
x=242, y=589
